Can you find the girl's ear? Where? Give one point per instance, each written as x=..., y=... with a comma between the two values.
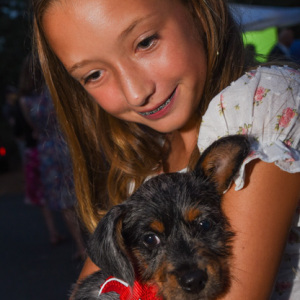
x=220, y=161
x=106, y=246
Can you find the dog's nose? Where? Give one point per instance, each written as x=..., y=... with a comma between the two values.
x=193, y=281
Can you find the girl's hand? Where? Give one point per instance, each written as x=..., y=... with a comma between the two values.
x=88, y=268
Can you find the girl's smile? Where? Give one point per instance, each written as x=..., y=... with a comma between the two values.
x=145, y=65
x=161, y=110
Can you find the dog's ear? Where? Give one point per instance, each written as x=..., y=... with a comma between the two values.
x=220, y=161
x=106, y=247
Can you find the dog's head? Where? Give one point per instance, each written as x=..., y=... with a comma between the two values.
x=172, y=231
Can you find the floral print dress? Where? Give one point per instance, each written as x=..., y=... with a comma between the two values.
x=264, y=103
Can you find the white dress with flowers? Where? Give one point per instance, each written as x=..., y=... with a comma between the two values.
x=264, y=103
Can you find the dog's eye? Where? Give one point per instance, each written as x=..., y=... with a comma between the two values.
x=205, y=224
x=151, y=240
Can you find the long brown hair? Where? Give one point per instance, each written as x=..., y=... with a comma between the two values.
x=108, y=153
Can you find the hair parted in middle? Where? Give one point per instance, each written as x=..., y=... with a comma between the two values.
x=110, y=154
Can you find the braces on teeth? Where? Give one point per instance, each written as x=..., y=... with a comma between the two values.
x=157, y=109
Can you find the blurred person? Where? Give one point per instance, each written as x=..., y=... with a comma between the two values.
x=281, y=50
x=12, y=113
x=295, y=50
x=9, y=106
x=48, y=172
x=250, y=55
x=28, y=103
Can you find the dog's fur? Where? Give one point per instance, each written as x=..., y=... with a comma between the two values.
x=171, y=232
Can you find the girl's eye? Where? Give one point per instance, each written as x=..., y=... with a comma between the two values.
x=147, y=42
x=94, y=76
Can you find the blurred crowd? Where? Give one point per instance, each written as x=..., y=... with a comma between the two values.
x=287, y=49
x=44, y=155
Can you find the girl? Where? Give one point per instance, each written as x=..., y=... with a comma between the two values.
x=143, y=86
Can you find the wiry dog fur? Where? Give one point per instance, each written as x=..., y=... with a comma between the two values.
x=171, y=231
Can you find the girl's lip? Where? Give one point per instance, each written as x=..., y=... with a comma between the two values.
x=157, y=111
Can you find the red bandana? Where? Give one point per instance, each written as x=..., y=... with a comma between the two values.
x=138, y=292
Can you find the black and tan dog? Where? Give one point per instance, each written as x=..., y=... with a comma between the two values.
x=170, y=234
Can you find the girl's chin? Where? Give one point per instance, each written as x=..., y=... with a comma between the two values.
x=166, y=127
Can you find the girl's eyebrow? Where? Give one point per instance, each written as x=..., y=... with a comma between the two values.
x=79, y=65
x=121, y=36
x=133, y=24
x=130, y=28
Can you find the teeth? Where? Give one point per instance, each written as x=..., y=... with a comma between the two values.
x=157, y=109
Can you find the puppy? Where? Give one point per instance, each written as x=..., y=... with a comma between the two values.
x=170, y=239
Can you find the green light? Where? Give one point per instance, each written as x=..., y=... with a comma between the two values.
x=263, y=40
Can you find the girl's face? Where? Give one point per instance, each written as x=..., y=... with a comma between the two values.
x=141, y=60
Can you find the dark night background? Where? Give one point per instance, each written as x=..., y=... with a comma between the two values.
x=29, y=268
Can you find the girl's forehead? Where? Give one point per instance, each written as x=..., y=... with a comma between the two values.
x=102, y=15
x=72, y=26
x=108, y=9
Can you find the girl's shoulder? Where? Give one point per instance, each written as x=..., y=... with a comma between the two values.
x=263, y=103
x=276, y=79
x=276, y=71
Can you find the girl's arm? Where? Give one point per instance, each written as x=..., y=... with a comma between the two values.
x=260, y=215
x=88, y=268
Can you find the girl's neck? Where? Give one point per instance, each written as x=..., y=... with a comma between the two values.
x=182, y=144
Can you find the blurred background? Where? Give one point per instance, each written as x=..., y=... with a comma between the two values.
x=37, y=262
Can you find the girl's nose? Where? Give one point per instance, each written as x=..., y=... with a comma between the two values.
x=135, y=83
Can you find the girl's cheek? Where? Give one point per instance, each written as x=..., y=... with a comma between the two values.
x=110, y=99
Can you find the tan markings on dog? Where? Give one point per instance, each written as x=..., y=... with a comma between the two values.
x=224, y=280
x=157, y=226
x=160, y=275
x=171, y=288
x=171, y=278
x=219, y=165
x=139, y=259
x=219, y=244
x=191, y=214
x=210, y=270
